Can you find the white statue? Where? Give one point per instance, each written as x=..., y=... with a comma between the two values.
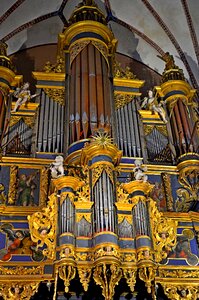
x=57, y=169
x=152, y=104
x=139, y=171
x=23, y=95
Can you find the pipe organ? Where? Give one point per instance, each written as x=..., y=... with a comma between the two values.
x=76, y=205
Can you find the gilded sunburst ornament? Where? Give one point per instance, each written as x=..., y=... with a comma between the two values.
x=102, y=139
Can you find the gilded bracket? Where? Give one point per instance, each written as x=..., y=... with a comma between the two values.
x=147, y=274
x=67, y=273
x=130, y=276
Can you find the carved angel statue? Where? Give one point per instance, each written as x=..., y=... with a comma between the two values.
x=152, y=104
x=169, y=61
x=23, y=95
x=139, y=171
x=57, y=169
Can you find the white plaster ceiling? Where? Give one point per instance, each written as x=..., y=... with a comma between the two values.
x=144, y=28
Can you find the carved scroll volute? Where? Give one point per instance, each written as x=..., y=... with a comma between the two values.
x=43, y=227
x=107, y=282
x=18, y=290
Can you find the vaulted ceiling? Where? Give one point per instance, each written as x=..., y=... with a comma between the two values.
x=144, y=28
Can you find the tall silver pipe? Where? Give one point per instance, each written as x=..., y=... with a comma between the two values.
x=124, y=132
x=132, y=129
x=55, y=122
x=41, y=116
x=128, y=130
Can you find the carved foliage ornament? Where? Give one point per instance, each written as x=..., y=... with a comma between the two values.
x=96, y=173
x=21, y=270
x=130, y=276
x=29, y=121
x=56, y=95
x=18, y=291
x=107, y=276
x=67, y=273
x=189, y=179
x=84, y=275
x=163, y=232
x=186, y=292
x=43, y=227
x=122, y=99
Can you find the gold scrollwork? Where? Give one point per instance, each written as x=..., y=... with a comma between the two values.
x=21, y=270
x=76, y=48
x=188, y=178
x=107, y=277
x=178, y=273
x=44, y=186
x=122, y=99
x=97, y=171
x=122, y=195
x=67, y=273
x=84, y=275
x=107, y=251
x=18, y=290
x=130, y=276
x=84, y=194
x=149, y=128
x=147, y=274
x=13, y=185
x=43, y=227
x=85, y=215
x=101, y=48
x=121, y=218
x=180, y=292
x=168, y=190
x=65, y=195
x=129, y=257
x=119, y=72
x=29, y=121
x=56, y=95
x=164, y=232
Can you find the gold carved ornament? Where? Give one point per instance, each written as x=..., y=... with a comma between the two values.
x=122, y=99
x=130, y=276
x=129, y=257
x=83, y=196
x=107, y=277
x=67, y=195
x=179, y=273
x=18, y=290
x=168, y=190
x=188, y=178
x=164, y=233
x=67, y=273
x=145, y=254
x=149, y=128
x=180, y=292
x=84, y=276
x=76, y=48
x=147, y=274
x=119, y=72
x=55, y=94
x=29, y=121
x=43, y=227
x=97, y=171
x=21, y=270
x=44, y=186
x=13, y=185
x=107, y=251
x=129, y=218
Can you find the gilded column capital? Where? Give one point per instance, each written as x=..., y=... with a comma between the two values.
x=138, y=185
x=67, y=181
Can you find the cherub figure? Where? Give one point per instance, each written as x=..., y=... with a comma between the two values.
x=139, y=171
x=152, y=104
x=23, y=95
x=57, y=169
